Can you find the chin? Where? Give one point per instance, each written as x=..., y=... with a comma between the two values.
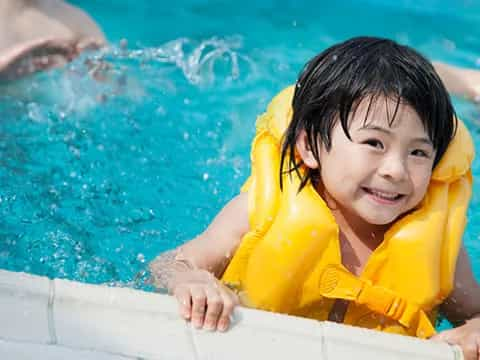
x=381, y=221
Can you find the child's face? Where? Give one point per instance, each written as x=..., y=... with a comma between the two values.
x=384, y=170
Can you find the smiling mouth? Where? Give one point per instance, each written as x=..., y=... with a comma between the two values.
x=383, y=196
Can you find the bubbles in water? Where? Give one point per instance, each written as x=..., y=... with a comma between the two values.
x=141, y=258
x=36, y=113
x=161, y=111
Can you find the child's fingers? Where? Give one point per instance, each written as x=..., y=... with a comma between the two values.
x=470, y=350
x=184, y=298
x=214, y=308
x=458, y=337
x=448, y=336
x=230, y=300
x=478, y=347
x=199, y=301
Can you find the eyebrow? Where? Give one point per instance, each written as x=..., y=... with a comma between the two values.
x=388, y=132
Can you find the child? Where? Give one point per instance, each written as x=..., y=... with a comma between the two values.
x=355, y=208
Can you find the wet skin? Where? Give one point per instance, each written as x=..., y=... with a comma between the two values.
x=41, y=34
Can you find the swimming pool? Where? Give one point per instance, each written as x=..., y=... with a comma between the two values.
x=100, y=176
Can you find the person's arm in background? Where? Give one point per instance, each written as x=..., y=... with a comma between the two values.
x=460, y=81
x=40, y=34
x=81, y=24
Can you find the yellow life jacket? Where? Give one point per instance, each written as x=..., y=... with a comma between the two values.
x=290, y=260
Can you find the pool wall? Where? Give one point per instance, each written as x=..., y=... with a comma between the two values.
x=58, y=319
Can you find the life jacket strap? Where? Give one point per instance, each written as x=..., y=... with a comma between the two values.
x=336, y=282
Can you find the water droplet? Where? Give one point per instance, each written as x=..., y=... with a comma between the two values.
x=161, y=111
x=205, y=176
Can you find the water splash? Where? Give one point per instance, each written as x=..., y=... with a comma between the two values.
x=197, y=60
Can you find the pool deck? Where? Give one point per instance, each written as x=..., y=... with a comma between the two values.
x=60, y=319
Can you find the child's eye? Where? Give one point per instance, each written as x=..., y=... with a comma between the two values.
x=421, y=153
x=374, y=143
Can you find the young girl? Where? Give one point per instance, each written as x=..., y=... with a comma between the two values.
x=355, y=208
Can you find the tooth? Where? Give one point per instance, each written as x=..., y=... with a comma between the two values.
x=384, y=195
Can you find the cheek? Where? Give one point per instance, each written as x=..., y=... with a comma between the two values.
x=420, y=184
x=343, y=166
x=338, y=181
x=330, y=171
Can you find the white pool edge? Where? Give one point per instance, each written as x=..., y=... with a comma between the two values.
x=58, y=319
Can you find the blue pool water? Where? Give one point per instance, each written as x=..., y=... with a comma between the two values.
x=97, y=177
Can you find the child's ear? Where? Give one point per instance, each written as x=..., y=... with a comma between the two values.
x=305, y=152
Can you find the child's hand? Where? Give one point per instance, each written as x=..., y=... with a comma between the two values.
x=204, y=300
x=466, y=336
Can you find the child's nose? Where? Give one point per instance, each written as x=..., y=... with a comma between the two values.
x=394, y=168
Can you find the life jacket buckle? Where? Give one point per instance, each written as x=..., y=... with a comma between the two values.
x=397, y=308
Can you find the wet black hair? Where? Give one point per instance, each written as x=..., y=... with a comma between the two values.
x=335, y=82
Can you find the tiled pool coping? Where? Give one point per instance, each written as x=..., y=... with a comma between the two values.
x=60, y=319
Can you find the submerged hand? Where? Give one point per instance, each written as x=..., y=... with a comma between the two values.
x=204, y=300
x=466, y=336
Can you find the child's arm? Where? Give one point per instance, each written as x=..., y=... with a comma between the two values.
x=463, y=308
x=460, y=81
x=190, y=272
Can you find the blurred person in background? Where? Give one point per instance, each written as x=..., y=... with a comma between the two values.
x=37, y=35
